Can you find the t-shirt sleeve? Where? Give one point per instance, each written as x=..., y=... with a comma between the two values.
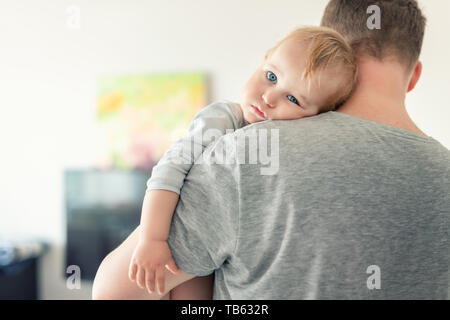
x=204, y=226
x=209, y=123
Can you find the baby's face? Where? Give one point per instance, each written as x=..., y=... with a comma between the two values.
x=276, y=90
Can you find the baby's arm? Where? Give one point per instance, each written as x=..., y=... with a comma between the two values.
x=152, y=253
x=173, y=167
x=157, y=211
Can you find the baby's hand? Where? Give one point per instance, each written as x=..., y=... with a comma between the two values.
x=149, y=260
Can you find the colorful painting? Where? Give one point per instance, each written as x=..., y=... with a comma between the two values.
x=140, y=116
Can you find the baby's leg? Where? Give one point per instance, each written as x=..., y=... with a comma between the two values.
x=198, y=288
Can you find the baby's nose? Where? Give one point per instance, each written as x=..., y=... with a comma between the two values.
x=269, y=100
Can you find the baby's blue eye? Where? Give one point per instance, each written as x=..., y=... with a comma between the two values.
x=292, y=99
x=271, y=76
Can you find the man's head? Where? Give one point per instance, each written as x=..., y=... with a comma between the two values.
x=311, y=70
x=400, y=36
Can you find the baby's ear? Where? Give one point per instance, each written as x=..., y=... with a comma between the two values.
x=415, y=76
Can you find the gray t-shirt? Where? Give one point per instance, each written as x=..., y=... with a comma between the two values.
x=356, y=210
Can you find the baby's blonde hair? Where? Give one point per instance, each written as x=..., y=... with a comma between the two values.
x=326, y=48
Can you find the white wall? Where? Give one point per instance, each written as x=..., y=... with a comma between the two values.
x=48, y=78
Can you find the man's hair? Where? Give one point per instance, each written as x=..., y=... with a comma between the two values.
x=326, y=49
x=400, y=35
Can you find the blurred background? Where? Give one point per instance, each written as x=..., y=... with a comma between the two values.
x=93, y=92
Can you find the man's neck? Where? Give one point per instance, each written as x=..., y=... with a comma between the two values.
x=380, y=96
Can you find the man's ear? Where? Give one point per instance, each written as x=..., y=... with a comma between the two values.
x=415, y=76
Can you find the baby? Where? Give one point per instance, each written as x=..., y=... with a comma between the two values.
x=312, y=70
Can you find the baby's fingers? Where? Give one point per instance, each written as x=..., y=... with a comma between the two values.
x=172, y=267
x=140, y=278
x=160, y=279
x=150, y=280
x=132, y=271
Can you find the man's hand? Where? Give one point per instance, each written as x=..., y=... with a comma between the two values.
x=149, y=261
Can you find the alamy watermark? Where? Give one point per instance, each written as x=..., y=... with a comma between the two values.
x=73, y=21
x=74, y=280
x=374, y=280
x=374, y=21
x=246, y=147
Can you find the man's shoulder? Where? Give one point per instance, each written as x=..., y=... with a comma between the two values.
x=343, y=133
x=300, y=130
x=334, y=125
x=318, y=122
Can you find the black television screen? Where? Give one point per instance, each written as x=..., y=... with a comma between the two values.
x=102, y=208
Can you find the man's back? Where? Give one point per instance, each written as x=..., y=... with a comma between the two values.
x=355, y=206
x=357, y=209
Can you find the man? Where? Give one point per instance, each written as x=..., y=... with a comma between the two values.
x=360, y=206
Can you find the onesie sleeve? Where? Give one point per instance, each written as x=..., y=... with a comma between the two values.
x=208, y=124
